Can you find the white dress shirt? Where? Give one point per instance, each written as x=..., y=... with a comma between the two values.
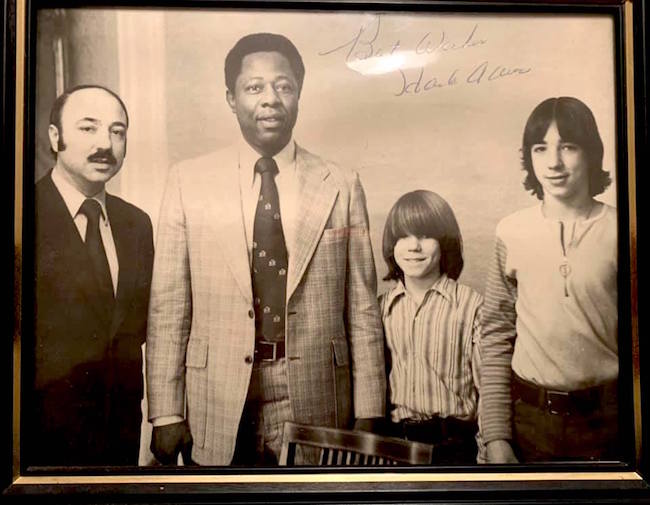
x=73, y=199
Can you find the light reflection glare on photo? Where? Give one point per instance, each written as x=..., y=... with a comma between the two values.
x=385, y=64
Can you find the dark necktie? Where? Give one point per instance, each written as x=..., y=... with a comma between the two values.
x=92, y=210
x=270, y=262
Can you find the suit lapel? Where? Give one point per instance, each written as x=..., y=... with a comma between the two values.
x=126, y=247
x=316, y=199
x=63, y=245
x=224, y=197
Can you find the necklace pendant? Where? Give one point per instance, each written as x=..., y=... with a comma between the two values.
x=565, y=269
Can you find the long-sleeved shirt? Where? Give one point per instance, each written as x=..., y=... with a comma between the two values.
x=434, y=351
x=550, y=312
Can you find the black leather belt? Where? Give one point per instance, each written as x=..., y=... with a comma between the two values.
x=268, y=351
x=436, y=429
x=582, y=401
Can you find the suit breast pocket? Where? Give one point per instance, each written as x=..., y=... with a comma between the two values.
x=335, y=235
x=342, y=382
x=196, y=377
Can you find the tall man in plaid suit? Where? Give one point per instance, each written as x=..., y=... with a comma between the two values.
x=263, y=304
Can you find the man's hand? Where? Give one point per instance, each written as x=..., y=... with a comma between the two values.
x=167, y=441
x=500, y=451
x=371, y=424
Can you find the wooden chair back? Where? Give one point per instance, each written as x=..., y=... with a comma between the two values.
x=351, y=448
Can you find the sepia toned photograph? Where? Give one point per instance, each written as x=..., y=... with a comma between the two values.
x=267, y=238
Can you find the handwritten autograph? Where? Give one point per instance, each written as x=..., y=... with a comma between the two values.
x=482, y=72
x=367, y=43
x=367, y=52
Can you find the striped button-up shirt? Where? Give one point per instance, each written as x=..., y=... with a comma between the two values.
x=434, y=351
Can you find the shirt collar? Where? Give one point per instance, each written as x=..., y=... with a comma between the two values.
x=285, y=159
x=593, y=217
x=443, y=285
x=73, y=198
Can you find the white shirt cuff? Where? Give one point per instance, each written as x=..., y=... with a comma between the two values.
x=165, y=420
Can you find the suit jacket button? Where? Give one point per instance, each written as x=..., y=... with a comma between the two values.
x=251, y=314
x=248, y=359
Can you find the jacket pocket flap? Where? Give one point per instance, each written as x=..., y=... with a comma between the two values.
x=335, y=234
x=341, y=351
x=197, y=354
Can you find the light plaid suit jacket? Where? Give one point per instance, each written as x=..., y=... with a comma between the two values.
x=201, y=329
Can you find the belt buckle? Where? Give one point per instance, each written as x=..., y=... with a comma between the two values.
x=549, y=400
x=275, y=350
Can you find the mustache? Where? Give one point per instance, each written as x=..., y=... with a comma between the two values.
x=103, y=156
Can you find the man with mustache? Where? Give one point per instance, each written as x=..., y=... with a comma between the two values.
x=93, y=262
x=263, y=305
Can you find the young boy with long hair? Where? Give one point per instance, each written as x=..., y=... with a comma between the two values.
x=432, y=326
x=550, y=355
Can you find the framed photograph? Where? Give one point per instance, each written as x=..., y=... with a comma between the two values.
x=302, y=251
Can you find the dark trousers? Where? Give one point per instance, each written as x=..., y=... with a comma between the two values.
x=557, y=426
x=67, y=433
x=453, y=440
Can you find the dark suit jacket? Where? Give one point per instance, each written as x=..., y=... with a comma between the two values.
x=88, y=367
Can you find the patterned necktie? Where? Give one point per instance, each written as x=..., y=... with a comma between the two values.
x=92, y=210
x=270, y=262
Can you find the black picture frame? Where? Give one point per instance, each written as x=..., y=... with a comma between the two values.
x=594, y=482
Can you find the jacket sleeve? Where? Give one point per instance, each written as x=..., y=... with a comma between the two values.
x=145, y=265
x=362, y=318
x=170, y=308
